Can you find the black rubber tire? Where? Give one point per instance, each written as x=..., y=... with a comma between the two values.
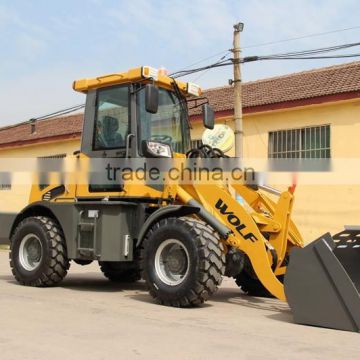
x=121, y=272
x=54, y=263
x=206, y=261
x=252, y=286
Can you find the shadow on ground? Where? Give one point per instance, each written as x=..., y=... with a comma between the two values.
x=147, y=298
x=94, y=282
x=8, y=278
x=280, y=309
x=99, y=284
x=236, y=296
x=89, y=282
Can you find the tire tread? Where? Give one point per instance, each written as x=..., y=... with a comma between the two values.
x=121, y=276
x=57, y=264
x=212, y=263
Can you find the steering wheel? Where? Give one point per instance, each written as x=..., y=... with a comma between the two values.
x=217, y=153
x=167, y=139
x=196, y=153
x=206, y=151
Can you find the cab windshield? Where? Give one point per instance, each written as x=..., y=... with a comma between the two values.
x=169, y=125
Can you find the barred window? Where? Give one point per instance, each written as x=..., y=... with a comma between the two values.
x=44, y=180
x=5, y=187
x=195, y=144
x=56, y=156
x=305, y=143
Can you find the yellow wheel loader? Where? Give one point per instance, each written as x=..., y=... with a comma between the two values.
x=181, y=237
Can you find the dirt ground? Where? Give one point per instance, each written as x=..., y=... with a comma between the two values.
x=88, y=317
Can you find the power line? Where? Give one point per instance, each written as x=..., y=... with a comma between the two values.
x=307, y=54
x=271, y=43
x=80, y=106
x=318, y=50
x=206, y=71
x=296, y=55
x=202, y=60
x=306, y=57
x=300, y=37
x=48, y=116
x=60, y=112
x=226, y=61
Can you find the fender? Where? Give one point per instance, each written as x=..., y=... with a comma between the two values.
x=9, y=221
x=6, y=223
x=164, y=212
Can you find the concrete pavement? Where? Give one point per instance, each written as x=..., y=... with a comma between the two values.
x=88, y=317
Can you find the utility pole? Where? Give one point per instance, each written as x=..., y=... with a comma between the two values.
x=238, y=28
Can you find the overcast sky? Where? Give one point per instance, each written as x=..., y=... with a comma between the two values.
x=45, y=45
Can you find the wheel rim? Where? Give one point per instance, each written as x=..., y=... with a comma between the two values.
x=172, y=262
x=30, y=252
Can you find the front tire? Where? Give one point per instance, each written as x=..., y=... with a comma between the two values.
x=182, y=261
x=38, y=255
x=251, y=286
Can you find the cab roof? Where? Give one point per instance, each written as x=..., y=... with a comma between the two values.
x=144, y=74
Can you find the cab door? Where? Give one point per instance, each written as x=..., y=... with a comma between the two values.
x=106, y=128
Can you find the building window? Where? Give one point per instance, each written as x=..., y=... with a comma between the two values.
x=5, y=187
x=56, y=156
x=5, y=181
x=195, y=144
x=43, y=163
x=305, y=143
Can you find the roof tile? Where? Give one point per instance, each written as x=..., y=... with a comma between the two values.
x=68, y=125
x=303, y=85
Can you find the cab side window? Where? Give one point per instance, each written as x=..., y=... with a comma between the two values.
x=112, y=118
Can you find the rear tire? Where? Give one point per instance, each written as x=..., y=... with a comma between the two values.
x=38, y=255
x=121, y=272
x=182, y=261
x=251, y=286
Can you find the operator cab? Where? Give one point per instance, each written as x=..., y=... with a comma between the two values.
x=138, y=114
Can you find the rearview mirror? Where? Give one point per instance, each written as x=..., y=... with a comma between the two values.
x=208, y=116
x=151, y=98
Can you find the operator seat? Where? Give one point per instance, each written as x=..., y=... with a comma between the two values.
x=110, y=127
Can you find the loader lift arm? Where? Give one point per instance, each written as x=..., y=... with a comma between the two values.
x=245, y=234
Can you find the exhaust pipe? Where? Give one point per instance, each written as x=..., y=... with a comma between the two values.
x=319, y=290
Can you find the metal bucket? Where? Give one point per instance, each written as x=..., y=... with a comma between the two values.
x=347, y=250
x=322, y=283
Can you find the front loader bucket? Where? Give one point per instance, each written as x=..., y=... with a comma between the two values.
x=347, y=250
x=319, y=290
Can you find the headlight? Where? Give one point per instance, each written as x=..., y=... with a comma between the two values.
x=156, y=149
